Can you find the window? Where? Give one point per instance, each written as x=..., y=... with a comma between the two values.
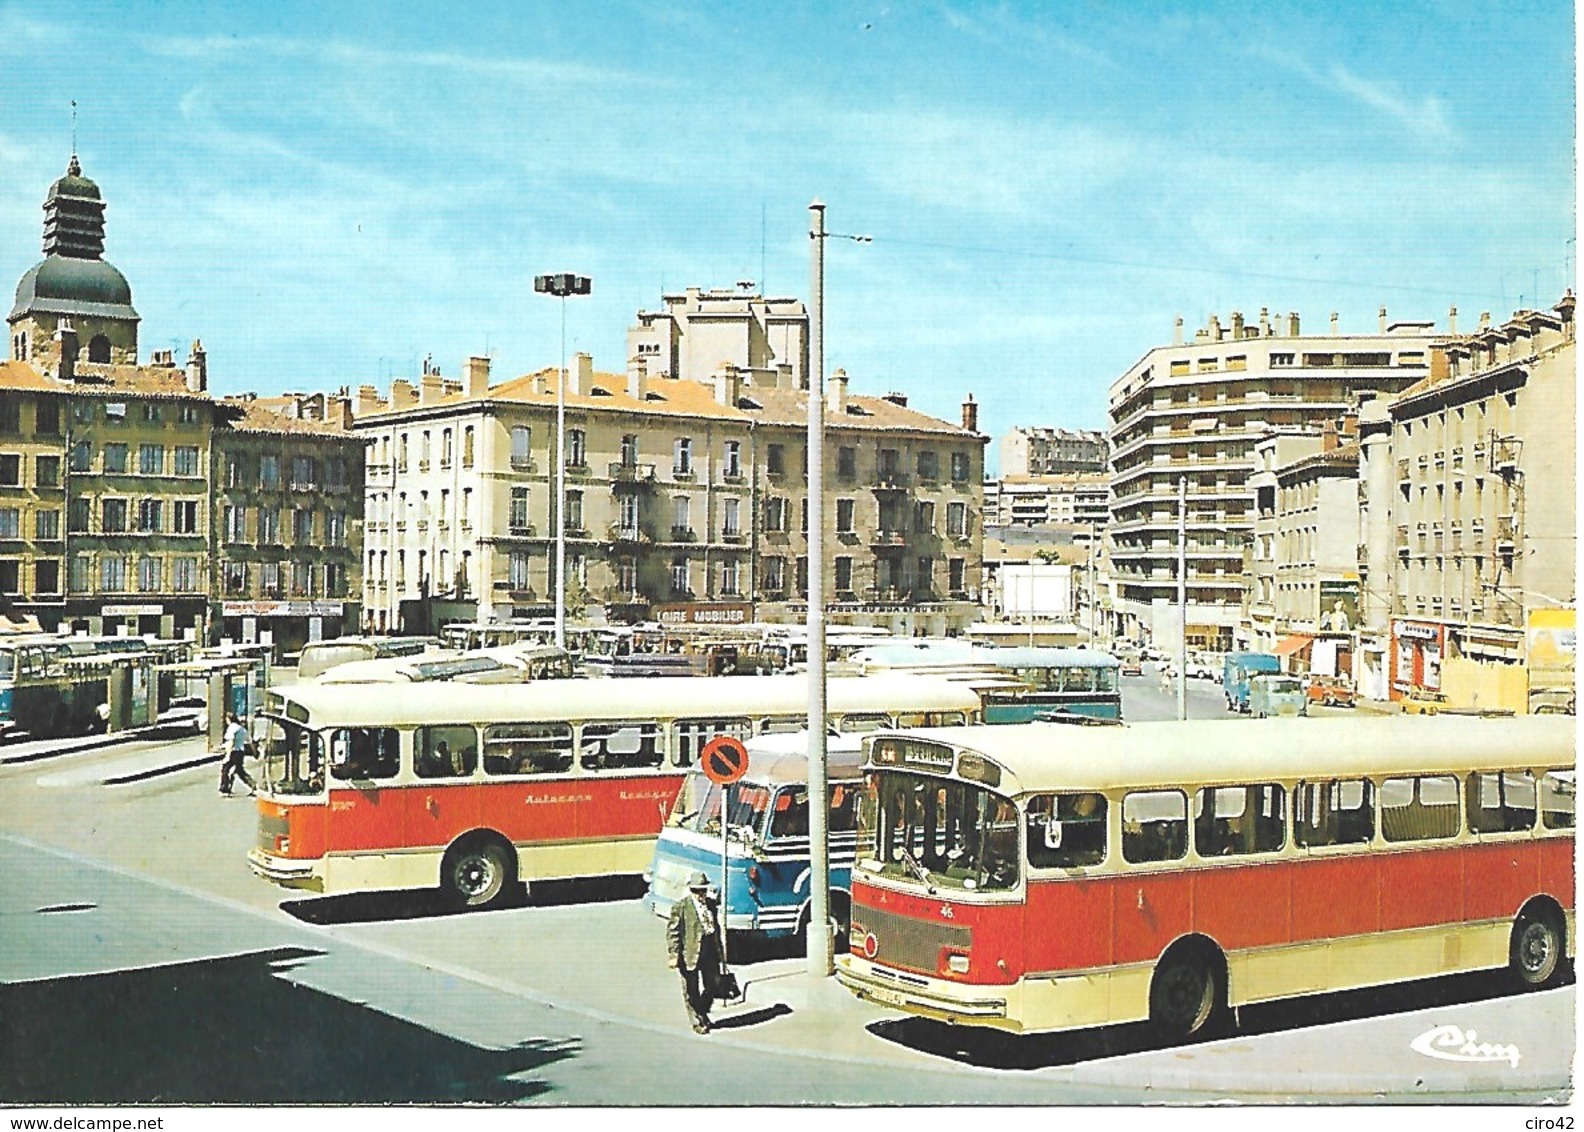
x=446, y=453
x=732, y=466
x=302, y=525
x=576, y=448
x=775, y=573
x=844, y=515
x=236, y=578
x=151, y=574
x=629, y=451
x=924, y=517
x=305, y=473
x=81, y=574
x=528, y=748
x=302, y=574
x=1232, y=820
x=10, y=413
x=516, y=570
x=151, y=459
x=151, y=513
x=78, y=514
x=10, y=522
x=46, y=417
x=269, y=526
x=82, y=412
x=776, y=513
x=1419, y=809
x=957, y=520
x=47, y=525
x=115, y=411
x=365, y=752
x=46, y=576
x=112, y=574
x=956, y=570
x=186, y=460
x=187, y=414
x=445, y=752
x=269, y=472
x=336, y=474
x=929, y=464
x=115, y=458
x=467, y=447
x=1558, y=790
x=1501, y=802
x=1066, y=831
x=518, y=518
x=729, y=574
x=114, y=516
x=682, y=515
x=335, y=528
x=926, y=575
x=10, y=576
x=233, y=471
x=682, y=457
x=680, y=582
x=81, y=456
x=627, y=517
x=730, y=508
x=234, y=524
x=423, y=451
x=521, y=438
x=185, y=516
x=847, y=463
x=574, y=511
x=775, y=459
x=1337, y=812
x=151, y=411
x=688, y=736
x=959, y=467
x=844, y=566
x=621, y=746
x=10, y=471
x=1154, y=826
x=184, y=574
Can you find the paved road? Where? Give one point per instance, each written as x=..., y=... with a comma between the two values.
x=141, y=962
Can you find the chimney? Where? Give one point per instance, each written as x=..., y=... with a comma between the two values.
x=970, y=410
x=728, y=385
x=1484, y=320
x=1177, y=338
x=66, y=349
x=836, y=393
x=580, y=376
x=1292, y=324
x=1347, y=426
x=339, y=412
x=1564, y=308
x=368, y=401
x=1265, y=327
x=429, y=387
x=197, y=369
x=1237, y=325
x=1334, y=318
x=1383, y=320
x=637, y=378
x=1215, y=328
x=783, y=376
x=1452, y=321
x=401, y=394
x=476, y=374
x=1328, y=436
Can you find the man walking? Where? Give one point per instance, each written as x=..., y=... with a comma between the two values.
x=237, y=745
x=693, y=944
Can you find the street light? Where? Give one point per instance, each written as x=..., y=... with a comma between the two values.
x=561, y=286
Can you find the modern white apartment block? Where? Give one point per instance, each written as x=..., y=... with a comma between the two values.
x=1080, y=500
x=697, y=332
x=1190, y=414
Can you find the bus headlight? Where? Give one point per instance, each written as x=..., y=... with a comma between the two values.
x=283, y=845
x=956, y=962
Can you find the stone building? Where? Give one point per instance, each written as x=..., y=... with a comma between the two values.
x=1033, y=451
x=697, y=332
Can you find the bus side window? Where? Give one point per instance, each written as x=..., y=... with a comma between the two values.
x=1232, y=820
x=789, y=814
x=1501, y=801
x=445, y=752
x=857, y=722
x=688, y=736
x=528, y=748
x=1154, y=826
x=1338, y=812
x=1557, y=794
x=1066, y=831
x=621, y=746
x=1419, y=809
x=365, y=752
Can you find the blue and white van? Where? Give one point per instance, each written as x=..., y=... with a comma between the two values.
x=767, y=844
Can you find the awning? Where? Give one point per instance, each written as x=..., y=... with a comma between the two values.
x=1289, y=645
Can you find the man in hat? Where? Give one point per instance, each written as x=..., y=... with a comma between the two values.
x=693, y=946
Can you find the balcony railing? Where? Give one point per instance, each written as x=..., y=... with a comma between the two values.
x=623, y=473
x=683, y=534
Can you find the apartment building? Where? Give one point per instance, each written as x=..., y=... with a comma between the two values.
x=685, y=500
x=1483, y=503
x=1081, y=500
x=697, y=332
x=1052, y=451
x=1186, y=418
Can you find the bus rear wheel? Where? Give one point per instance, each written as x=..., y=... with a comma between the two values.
x=476, y=873
x=1185, y=995
x=1535, y=954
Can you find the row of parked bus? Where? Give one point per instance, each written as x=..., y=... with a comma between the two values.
x=53, y=686
x=1027, y=876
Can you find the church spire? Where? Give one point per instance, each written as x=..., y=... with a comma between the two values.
x=74, y=216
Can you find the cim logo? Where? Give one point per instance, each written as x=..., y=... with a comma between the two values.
x=1453, y=1043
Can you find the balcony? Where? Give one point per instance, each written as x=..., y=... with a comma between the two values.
x=1504, y=454
x=888, y=482
x=683, y=534
x=1402, y=468
x=632, y=475
x=733, y=537
x=523, y=464
x=627, y=533
x=1506, y=533
x=522, y=530
x=888, y=538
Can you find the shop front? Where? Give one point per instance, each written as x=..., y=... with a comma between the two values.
x=287, y=625
x=1418, y=650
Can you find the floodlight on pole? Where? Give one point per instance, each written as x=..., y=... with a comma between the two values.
x=561, y=286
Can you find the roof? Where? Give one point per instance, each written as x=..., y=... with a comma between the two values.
x=790, y=407
x=251, y=416
x=658, y=697
x=1173, y=753
x=783, y=758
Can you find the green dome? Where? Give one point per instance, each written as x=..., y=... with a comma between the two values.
x=74, y=184
x=65, y=285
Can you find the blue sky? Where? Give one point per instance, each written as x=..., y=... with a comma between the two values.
x=326, y=194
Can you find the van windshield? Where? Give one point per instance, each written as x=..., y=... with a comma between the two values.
x=698, y=806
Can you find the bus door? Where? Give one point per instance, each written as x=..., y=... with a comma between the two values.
x=365, y=809
x=441, y=806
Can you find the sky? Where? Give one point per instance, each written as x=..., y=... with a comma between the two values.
x=327, y=194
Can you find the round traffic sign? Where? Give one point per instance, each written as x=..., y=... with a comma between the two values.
x=724, y=760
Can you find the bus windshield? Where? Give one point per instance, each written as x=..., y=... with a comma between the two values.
x=698, y=806
x=939, y=832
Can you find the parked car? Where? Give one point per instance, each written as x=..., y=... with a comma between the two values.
x=1331, y=691
x=1202, y=668
x=1272, y=694
x=1132, y=667
x=1422, y=701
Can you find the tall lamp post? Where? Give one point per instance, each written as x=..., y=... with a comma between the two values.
x=561, y=286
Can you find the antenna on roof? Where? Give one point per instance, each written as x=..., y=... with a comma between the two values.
x=74, y=125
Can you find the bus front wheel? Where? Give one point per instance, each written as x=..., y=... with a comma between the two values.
x=839, y=919
x=476, y=873
x=1535, y=955
x=1185, y=995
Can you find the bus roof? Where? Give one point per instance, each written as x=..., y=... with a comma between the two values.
x=412, y=705
x=1049, y=656
x=782, y=758
x=1054, y=756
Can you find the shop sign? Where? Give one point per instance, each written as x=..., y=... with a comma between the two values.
x=711, y=613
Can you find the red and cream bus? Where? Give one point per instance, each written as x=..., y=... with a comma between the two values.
x=473, y=787
x=1036, y=877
